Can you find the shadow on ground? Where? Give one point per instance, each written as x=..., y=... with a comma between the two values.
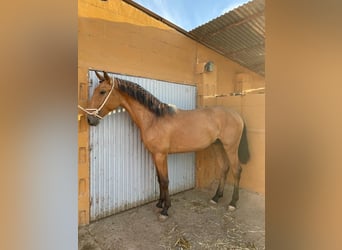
x=194, y=223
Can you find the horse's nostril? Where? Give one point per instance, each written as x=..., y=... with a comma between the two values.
x=93, y=121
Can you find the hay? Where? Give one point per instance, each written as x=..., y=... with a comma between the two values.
x=182, y=243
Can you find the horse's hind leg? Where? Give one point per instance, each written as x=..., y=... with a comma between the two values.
x=222, y=161
x=236, y=170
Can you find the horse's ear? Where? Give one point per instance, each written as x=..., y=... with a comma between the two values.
x=101, y=78
x=106, y=76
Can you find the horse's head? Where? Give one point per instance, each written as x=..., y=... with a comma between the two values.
x=105, y=99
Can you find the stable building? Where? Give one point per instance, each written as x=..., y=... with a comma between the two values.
x=218, y=63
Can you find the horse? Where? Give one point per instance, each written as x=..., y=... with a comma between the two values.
x=165, y=129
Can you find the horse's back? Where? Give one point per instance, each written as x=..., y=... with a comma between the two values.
x=226, y=116
x=215, y=115
x=218, y=121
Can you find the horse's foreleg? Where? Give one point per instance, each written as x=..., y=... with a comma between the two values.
x=161, y=193
x=236, y=169
x=165, y=186
x=164, y=201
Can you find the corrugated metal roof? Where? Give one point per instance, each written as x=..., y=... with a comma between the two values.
x=238, y=35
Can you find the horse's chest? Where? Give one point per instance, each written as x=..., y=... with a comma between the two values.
x=155, y=141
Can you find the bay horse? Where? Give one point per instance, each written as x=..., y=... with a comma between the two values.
x=166, y=129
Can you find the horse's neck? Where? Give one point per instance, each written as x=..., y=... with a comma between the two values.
x=142, y=117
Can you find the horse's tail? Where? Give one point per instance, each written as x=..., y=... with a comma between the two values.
x=243, y=151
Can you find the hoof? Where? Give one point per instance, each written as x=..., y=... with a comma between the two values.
x=162, y=217
x=213, y=202
x=231, y=208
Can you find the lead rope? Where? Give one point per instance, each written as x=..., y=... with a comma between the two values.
x=95, y=112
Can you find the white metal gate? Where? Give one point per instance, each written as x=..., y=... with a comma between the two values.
x=121, y=169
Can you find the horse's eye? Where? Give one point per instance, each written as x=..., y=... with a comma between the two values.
x=102, y=92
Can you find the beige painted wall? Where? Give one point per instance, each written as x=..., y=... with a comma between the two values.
x=116, y=37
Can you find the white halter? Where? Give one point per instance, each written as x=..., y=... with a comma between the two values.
x=95, y=112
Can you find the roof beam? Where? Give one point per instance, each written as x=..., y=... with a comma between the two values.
x=247, y=19
x=255, y=46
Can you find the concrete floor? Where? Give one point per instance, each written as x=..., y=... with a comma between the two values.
x=194, y=223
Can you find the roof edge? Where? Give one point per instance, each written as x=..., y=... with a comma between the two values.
x=159, y=18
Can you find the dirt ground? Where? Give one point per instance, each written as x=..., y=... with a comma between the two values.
x=194, y=223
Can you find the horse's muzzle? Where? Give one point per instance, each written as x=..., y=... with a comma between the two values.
x=93, y=120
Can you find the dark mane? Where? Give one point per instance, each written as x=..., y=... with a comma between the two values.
x=144, y=97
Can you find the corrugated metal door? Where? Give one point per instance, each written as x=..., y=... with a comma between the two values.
x=121, y=169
